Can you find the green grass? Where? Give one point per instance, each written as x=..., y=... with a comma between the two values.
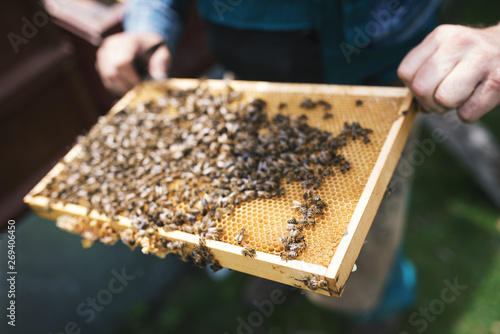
x=453, y=232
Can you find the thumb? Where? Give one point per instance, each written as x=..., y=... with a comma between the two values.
x=159, y=63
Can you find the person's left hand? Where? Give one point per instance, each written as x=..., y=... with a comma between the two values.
x=456, y=67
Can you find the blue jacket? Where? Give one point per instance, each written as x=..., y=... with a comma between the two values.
x=359, y=38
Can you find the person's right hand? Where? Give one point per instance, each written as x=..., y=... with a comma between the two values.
x=116, y=55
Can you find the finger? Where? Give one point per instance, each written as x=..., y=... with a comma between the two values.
x=485, y=97
x=159, y=63
x=415, y=58
x=429, y=76
x=459, y=85
x=128, y=75
x=99, y=63
x=116, y=78
x=106, y=81
x=114, y=82
x=118, y=86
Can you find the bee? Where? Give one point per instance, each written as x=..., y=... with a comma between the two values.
x=308, y=103
x=309, y=213
x=294, y=234
x=327, y=115
x=319, y=212
x=201, y=254
x=216, y=266
x=294, y=227
x=292, y=221
x=187, y=228
x=284, y=240
x=303, y=221
x=359, y=103
x=195, y=212
x=176, y=245
x=297, y=206
x=298, y=247
x=314, y=283
x=282, y=106
x=191, y=218
x=321, y=204
x=326, y=105
x=240, y=236
x=214, y=233
x=218, y=215
x=204, y=203
x=199, y=259
x=299, y=238
x=250, y=252
x=304, y=210
x=285, y=256
x=302, y=118
x=311, y=222
x=306, y=195
x=315, y=199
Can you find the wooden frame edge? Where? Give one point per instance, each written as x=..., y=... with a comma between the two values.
x=348, y=250
x=337, y=272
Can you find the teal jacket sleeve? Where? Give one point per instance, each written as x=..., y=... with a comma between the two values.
x=164, y=17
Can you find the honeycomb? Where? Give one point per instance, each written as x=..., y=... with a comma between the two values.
x=265, y=219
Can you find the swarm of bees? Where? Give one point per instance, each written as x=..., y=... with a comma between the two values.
x=294, y=242
x=185, y=160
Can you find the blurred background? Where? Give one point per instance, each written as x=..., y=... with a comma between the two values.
x=50, y=93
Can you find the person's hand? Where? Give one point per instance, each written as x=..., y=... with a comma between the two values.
x=116, y=55
x=456, y=67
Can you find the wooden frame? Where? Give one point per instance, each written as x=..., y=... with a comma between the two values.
x=266, y=265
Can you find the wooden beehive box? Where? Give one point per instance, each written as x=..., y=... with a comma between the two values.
x=334, y=243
